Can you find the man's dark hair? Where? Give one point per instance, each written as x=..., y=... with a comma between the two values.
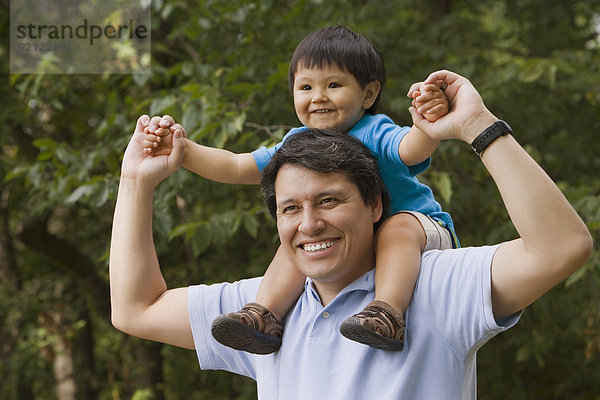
x=338, y=46
x=325, y=152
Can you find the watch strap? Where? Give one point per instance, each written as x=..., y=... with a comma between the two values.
x=491, y=133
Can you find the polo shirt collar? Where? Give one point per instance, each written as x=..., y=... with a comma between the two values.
x=365, y=282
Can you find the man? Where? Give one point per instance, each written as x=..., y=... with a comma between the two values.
x=463, y=297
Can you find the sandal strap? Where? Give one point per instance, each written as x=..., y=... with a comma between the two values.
x=249, y=315
x=383, y=319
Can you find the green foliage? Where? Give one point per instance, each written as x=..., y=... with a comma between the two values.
x=220, y=68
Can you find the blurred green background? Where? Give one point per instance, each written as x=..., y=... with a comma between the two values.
x=220, y=67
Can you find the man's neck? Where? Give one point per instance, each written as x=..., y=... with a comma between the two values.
x=328, y=291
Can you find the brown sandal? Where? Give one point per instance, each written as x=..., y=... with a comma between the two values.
x=379, y=325
x=241, y=330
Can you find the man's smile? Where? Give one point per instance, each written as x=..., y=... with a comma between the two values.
x=316, y=247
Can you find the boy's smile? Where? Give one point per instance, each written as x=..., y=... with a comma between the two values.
x=331, y=98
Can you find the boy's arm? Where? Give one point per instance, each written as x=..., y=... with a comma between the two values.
x=430, y=102
x=211, y=163
x=220, y=165
x=416, y=146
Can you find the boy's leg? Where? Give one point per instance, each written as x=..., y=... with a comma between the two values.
x=400, y=241
x=257, y=327
x=399, y=244
x=281, y=285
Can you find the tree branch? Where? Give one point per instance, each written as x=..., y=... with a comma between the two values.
x=35, y=235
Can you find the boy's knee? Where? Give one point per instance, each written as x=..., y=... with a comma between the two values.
x=403, y=226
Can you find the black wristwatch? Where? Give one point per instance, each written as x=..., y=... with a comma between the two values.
x=493, y=132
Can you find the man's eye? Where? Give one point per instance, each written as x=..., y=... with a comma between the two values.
x=328, y=200
x=290, y=209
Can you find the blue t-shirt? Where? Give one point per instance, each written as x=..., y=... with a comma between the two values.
x=382, y=136
x=449, y=318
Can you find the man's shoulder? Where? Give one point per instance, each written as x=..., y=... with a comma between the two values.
x=466, y=256
x=455, y=267
x=224, y=294
x=452, y=297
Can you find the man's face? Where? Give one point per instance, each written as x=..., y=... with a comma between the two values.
x=326, y=229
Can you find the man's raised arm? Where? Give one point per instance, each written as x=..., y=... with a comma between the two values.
x=554, y=242
x=141, y=304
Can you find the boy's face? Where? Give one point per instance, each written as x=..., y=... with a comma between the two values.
x=331, y=98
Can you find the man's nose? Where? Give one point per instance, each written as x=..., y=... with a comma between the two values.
x=311, y=222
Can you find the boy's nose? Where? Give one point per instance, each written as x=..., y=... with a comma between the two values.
x=319, y=96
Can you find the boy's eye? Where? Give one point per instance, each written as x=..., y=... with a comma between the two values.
x=305, y=87
x=334, y=85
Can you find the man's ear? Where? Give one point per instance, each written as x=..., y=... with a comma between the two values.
x=376, y=209
x=372, y=90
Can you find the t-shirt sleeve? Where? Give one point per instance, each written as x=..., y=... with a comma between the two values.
x=263, y=155
x=205, y=302
x=382, y=136
x=454, y=291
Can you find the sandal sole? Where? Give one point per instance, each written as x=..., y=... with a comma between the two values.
x=358, y=333
x=236, y=335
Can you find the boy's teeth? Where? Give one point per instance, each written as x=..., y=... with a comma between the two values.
x=317, y=247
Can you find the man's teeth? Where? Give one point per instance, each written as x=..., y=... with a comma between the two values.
x=318, y=246
x=322, y=111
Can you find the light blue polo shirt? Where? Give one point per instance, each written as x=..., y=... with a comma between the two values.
x=449, y=318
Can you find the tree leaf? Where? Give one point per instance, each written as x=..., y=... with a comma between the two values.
x=81, y=191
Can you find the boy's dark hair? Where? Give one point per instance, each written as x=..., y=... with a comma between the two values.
x=325, y=152
x=339, y=46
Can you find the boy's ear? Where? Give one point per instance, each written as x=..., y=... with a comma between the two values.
x=371, y=92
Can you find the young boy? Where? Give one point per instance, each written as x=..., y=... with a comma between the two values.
x=336, y=77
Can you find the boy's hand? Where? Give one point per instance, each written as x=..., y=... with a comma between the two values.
x=429, y=100
x=159, y=136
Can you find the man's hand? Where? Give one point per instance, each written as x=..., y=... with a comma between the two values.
x=468, y=115
x=147, y=168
